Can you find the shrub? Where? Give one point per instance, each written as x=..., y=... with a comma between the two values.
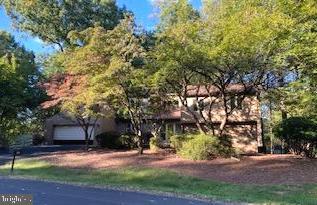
x=225, y=146
x=155, y=144
x=113, y=140
x=204, y=147
x=108, y=140
x=146, y=139
x=300, y=135
x=177, y=141
x=127, y=141
x=38, y=139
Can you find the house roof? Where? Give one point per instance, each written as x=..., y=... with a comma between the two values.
x=205, y=90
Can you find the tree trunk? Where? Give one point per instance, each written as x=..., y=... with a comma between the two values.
x=271, y=127
x=284, y=117
x=227, y=113
x=156, y=129
x=86, y=140
x=141, y=149
x=198, y=124
x=140, y=143
x=200, y=128
x=223, y=126
x=283, y=109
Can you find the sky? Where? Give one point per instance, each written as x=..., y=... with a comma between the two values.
x=143, y=10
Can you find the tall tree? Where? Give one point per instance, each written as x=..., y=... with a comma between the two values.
x=52, y=20
x=243, y=38
x=19, y=93
x=112, y=62
x=292, y=85
x=234, y=43
x=176, y=50
x=172, y=57
x=300, y=55
x=290, y=80
x=175, y=12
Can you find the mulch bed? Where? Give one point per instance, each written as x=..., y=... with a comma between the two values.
x=267, y=169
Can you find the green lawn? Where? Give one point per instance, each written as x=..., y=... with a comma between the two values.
x=167, y=181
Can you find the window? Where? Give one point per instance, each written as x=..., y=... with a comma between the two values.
x=178, y=129
x=240, y=102
x=232, y=102
x=195, y=105
x=236, y=102
x=200, y=105
x=170, y=130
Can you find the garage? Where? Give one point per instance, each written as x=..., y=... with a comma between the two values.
x=70, y=135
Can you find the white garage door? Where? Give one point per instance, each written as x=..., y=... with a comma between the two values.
x=70, y=133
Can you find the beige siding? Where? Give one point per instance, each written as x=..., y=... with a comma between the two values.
x=244, y=138
x=244, y=127
x=250, y=111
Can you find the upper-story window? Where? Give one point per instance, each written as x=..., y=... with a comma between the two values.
x=199, y=105
x=236, y=102
x=195, y=105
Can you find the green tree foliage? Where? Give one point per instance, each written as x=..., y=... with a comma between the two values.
x=301, y=57
x=19, y=93
x=86, y=110
x=234, y=42
x=298, y=97
x=175, y=12
x=300, y=135
x=177, y=50
x=293, y=81
x=52, y=64
x=245, y=38
x=52, y=20
x=112, y=62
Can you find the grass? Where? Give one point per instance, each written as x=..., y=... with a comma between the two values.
x=167, y=181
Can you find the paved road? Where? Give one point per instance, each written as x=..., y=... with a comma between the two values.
x=46, y=193
x=5, y=159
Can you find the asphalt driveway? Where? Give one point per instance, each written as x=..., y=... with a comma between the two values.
x=46, y=193
x=35, y=151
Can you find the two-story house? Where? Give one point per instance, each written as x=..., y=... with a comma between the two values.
x=243, y=124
